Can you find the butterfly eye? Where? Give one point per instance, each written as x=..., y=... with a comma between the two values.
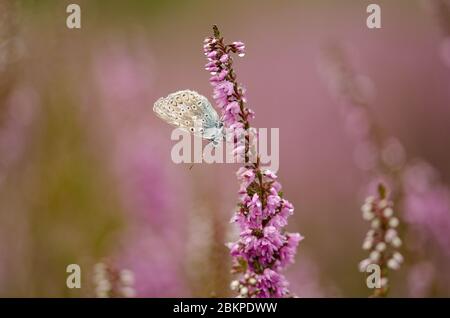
x=178, y=99
x=188, y=107
x=180, y=113
x=199, y=103
x=191, y=129
x=186, y=122
x=194, y=107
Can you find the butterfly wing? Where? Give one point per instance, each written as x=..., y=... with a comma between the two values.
x=187, y=110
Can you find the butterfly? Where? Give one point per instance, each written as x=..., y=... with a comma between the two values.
x=192, y=112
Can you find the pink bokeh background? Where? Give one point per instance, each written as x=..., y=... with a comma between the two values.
x=171, y=222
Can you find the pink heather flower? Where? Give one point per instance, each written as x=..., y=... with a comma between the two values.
x=280, y=218
x=272, y=284
x=211, y=55
x=276, y=185
x=233, y=108
x=222, y=75
x=238, y=126
x=260, y=247
x=273, y=201
x=270, y=174
x=239, y=151
x=254, y=204
x=226, y=87
x=239, y=48
x=265, y=285
x=238, y=44
x=246, y=176
x=263, y=249
x=224, y=58
x=287, y=252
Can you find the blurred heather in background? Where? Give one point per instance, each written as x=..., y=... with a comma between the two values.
x=85, y=168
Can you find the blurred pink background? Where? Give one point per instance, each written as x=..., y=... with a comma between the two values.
x=85, y=168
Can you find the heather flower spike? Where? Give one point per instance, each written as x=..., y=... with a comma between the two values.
x=263, y=249
x=382, y=240
x=113, y=283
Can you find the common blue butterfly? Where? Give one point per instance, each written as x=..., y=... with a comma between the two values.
x=191, y=112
